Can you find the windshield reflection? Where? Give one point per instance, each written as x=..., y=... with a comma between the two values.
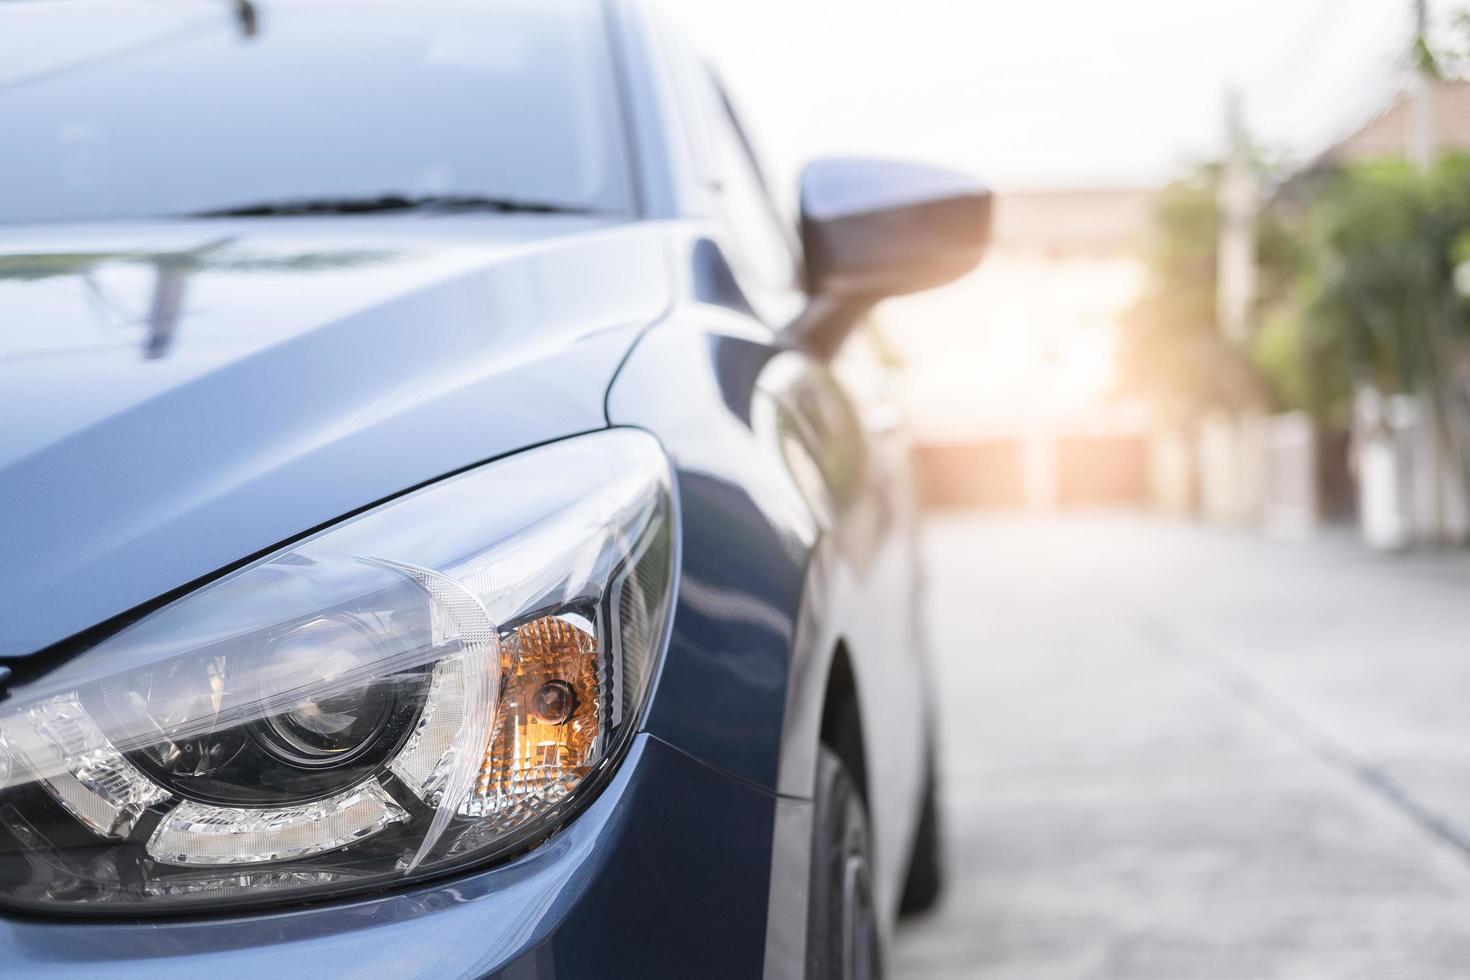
x=172, y=271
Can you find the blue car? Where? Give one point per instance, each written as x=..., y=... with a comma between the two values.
x=451, y=522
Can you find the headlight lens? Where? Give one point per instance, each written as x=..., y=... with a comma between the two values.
x=425, y=686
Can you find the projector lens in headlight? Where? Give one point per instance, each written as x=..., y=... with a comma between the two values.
x=423, y=687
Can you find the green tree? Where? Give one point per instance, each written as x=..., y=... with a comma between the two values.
x=1380, y=285
x=1374, y=301
x=1172, y=349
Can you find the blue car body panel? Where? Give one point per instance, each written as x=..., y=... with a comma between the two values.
x=297, y=370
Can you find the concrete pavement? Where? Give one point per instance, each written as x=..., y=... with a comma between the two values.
x=1177, y=752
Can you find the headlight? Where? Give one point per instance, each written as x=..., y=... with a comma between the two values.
x=428, y=685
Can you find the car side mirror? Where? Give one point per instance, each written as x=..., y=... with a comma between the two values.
x=877, y=228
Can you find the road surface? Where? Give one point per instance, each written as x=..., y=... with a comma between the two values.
x=1176, y=752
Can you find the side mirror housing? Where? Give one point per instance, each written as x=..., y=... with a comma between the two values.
x=877, y=228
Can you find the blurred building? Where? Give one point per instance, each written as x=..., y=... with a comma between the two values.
x=1009, y=373
x=1387, y=134
x=1390, y=132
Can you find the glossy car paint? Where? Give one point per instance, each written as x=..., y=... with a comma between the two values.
x=784, y=565
x=245, y=381
x=324, y=390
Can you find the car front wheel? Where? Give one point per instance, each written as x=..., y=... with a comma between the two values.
x=842, y=924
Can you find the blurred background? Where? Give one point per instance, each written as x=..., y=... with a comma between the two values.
x=1196, y=442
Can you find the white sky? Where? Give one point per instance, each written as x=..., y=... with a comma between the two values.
x=1058, y=92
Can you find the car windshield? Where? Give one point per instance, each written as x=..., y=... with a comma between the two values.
x=112, y=109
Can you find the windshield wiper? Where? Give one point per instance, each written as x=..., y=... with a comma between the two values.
x=390, y=202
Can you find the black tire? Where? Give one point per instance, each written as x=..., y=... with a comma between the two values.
x=842, y=941
x=925, y=881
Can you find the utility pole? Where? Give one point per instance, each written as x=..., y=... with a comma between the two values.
x=1235, y=282
x=1437, y=400
x=1235, y=296
x=1421, y=93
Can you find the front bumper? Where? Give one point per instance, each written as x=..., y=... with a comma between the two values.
x=667, y=873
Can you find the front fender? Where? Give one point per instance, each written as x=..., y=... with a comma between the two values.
x=747, y=540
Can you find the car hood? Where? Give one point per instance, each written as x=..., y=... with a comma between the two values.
x=178, y=396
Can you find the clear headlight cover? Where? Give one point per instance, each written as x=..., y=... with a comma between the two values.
x=426, y=686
